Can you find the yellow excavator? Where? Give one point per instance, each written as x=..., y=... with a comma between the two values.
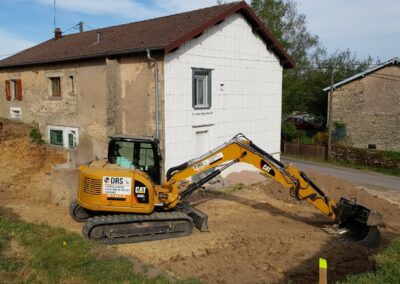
x=121, y=199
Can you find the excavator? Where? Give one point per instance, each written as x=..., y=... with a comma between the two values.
x=121, y=199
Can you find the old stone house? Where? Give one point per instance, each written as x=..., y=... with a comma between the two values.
x=195, y=79
x=369, y=105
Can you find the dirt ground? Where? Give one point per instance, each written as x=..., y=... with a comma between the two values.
x=257, y=232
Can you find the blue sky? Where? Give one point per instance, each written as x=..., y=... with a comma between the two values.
x=368, y=27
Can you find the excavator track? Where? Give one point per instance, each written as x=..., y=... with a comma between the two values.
x=134, y=228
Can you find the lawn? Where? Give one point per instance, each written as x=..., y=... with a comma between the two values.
x=42, y=254
x=388, y=268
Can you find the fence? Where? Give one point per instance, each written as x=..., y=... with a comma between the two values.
x=313, y=151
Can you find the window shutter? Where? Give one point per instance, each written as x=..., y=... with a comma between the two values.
x=8, y=92
x=193, y=89
x=209, y=88
x=19, y=90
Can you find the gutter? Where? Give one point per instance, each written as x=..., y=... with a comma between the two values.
x=156, y=93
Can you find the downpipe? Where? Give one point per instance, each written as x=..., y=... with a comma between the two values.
x=156, y=93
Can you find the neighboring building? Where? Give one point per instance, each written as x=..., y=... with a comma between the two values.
x=219, y=73
x=369, y=105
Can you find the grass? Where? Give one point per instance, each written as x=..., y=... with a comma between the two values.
x=383, y=170
x=392, y=155
x=388, y=268
x=40, y=253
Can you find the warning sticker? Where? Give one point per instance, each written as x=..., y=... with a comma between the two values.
x=117, y=185
x=198, y=167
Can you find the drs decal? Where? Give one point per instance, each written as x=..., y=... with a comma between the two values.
x=141, y=192
x=267, y=168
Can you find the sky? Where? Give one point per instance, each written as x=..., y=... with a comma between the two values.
x=367, y=27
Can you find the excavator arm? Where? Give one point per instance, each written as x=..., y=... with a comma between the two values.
x=347, y=213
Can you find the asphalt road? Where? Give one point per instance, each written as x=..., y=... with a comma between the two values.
x=361, y=177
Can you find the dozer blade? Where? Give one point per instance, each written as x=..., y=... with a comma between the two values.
x=200, y=219
x=358, y=223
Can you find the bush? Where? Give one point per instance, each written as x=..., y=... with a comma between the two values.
x=339, y=124
x=289, y=131
x=36, y=136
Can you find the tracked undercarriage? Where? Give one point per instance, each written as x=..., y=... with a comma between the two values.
x=134, y=228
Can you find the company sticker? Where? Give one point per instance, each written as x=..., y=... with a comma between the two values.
x=117, y=185
x=198, y=167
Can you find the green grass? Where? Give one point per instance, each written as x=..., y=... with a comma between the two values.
x=392, y=155
x=52, y=255
x=383, y=170
x=388, y=268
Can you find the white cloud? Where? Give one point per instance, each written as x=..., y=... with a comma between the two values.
x=12, y=44
x=124, y=8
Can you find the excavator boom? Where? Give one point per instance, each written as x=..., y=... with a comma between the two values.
x=351, y=217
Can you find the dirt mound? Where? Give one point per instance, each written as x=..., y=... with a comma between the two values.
x=10, y=130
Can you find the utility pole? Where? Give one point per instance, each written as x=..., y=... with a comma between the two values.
x=329, y=116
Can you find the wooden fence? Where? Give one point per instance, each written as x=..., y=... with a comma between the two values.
x=312, y=151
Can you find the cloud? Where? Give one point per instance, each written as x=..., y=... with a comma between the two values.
x=13, y=44
x=124, y=8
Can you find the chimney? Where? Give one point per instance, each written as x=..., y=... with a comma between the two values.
x=80, y=26
x=57, y=33
x=98, y=38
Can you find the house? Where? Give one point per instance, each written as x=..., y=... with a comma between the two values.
x=368, y=104
x=194, y=79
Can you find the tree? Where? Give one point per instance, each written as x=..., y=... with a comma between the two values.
x=302, y=86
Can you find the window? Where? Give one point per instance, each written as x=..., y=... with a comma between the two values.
x=56, y=137
x=13, y=89
x=201, y=88
x=62, y=136
x=55, y=86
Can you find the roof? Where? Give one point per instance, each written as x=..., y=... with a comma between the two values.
x=393, y=61
x=163, y=34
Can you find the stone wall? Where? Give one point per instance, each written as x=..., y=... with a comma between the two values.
x=370, y=108
x=364, y=157
x=99, y=97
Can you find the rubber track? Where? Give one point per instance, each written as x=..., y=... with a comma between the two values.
x=108, y=220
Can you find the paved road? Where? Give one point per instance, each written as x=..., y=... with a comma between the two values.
x=356, y=176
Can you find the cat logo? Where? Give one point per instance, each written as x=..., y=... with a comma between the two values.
x=267, y=168
x=140, y=189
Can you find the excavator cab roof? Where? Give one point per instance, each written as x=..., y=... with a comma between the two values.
x=138, y=138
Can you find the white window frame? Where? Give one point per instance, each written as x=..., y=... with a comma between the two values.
x=205, y=76
x=66, y=132
x=13, y=89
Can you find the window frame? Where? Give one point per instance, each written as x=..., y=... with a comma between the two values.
x=66, y=131
x=52, y=93
x=206, y=75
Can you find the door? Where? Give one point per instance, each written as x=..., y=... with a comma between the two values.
x=201, y=142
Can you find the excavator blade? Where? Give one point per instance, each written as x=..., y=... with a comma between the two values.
x=358, y=223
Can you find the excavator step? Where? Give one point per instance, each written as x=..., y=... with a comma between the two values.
x=134, y=228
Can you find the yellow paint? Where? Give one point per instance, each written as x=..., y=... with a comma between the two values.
x=323, y=264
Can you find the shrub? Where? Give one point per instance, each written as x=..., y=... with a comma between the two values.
x=36, y=136
x=289, y=131
x=339, y=124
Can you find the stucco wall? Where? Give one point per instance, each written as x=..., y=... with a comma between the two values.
x=246, y=91
x=370, y=108
x=84, y=110
x=110, y=96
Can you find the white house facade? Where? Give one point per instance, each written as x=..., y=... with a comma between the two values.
x=217, y=85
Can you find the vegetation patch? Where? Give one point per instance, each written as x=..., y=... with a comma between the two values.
x=51, y=255
x=388, y=268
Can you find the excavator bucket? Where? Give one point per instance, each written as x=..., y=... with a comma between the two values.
x=358, y=223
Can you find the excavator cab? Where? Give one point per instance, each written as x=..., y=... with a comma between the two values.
x=136, y=152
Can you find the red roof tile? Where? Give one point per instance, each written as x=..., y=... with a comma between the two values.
x=164, y=34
